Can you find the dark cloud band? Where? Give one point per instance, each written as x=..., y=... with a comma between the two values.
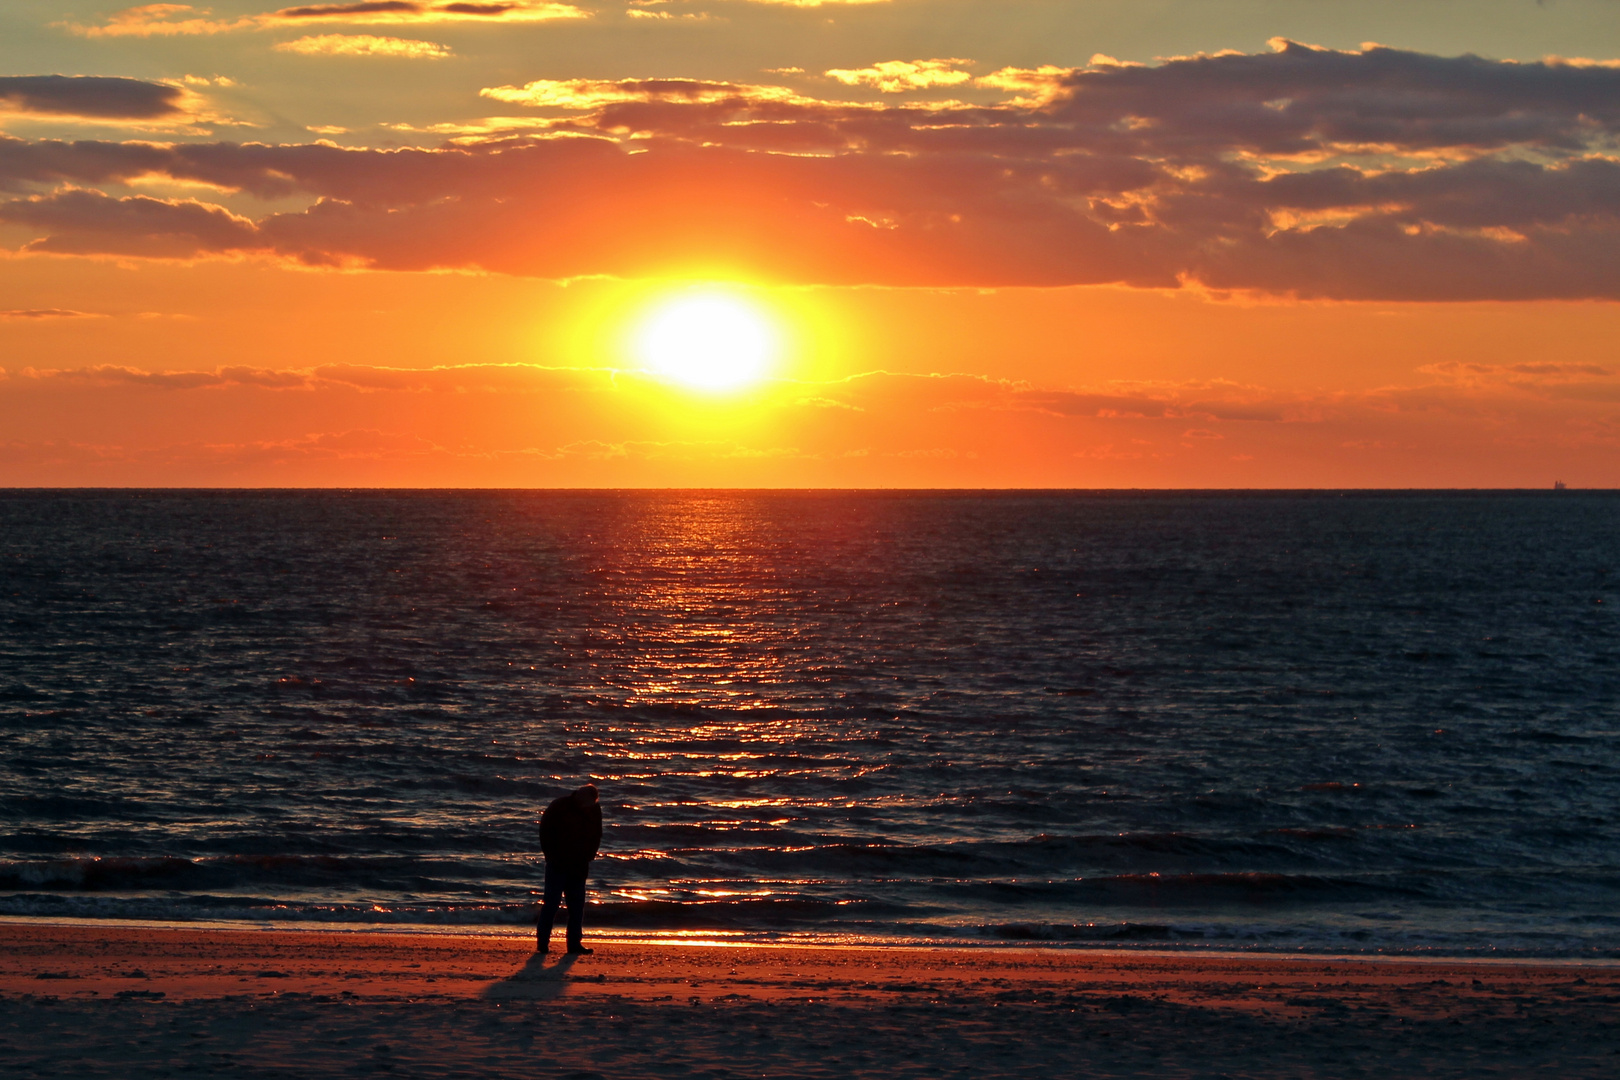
x=90, y=96
x=1376, y=174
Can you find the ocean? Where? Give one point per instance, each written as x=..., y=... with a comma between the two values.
x=1347, y=722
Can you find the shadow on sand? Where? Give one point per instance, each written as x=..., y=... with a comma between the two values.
x=544, y=976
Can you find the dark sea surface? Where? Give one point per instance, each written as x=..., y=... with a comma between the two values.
x=1342, y=722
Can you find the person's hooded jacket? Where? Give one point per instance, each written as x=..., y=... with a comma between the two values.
x=570, y=834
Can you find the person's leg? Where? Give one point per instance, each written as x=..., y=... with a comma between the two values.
x=548, y=909
x=576, y=910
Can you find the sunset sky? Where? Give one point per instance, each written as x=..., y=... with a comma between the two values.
x=956, y=243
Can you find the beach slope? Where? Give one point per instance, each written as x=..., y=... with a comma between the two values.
x=135, y=1001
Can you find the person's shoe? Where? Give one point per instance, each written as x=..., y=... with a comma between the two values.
x=578, y=949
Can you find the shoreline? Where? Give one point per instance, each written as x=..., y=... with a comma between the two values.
x=197, y=962
x=122, y=1000
x=737, y=940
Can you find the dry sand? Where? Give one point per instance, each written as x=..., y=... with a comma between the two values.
x=123, y=1000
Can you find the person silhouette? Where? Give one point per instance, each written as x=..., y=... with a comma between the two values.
x=570, y=834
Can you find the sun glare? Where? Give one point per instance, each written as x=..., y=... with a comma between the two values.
x=708, y=341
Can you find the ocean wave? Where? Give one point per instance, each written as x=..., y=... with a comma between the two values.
x=249, y=872
x=1149, y=892
x=787, y=853
x=1104, y=932
x=1310, y=938
x=876, y=926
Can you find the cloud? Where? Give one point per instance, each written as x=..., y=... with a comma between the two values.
x=355, y=444
x=171, y=20
x=524, y=425
x=879, y=394
x=116, y=375
x=364, y=45
x=90, y=97
x=46, y=314
x=1540, y=374
x=84, y=222
x=351, y=446
x=412, y=11
x=1303, y=100
x=898, y=76
x=1561, y=369
x=815, y=3
x=651, y=13
x=468, y=378
x=1374, y=174
x=882, y=391
x=162, y=20
x=452, y=379
x=586, y=94
x=652, y=450
x=1125, y=420
x=1032, y=87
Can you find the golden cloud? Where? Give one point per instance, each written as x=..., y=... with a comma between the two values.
x=814, y=3
x=164, y=20
x=1032, y=87
x=898, y=76
x=643, y=10
x=586, y=94
x=365, y=45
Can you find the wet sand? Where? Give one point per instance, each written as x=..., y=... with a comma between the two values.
x=134, y=1001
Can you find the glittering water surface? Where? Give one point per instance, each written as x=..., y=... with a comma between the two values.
x=1366, y=721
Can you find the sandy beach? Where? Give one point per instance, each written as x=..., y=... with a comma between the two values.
x=137, y=1001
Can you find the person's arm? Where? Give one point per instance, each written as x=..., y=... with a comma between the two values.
x=548, y=832
x=594, y=832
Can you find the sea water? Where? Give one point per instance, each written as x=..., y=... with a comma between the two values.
x=1352, y=721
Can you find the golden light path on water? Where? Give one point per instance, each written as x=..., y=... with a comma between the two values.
x=712, y=619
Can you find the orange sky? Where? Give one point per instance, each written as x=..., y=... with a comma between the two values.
x=356, y=245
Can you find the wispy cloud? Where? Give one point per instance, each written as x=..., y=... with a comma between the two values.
x=815, y=3
x=656, y=9
x=452, y=378
x=171, y=20
x=411, y=11
x=46, y=314
x=1538, y=374
x=875, y=427
x=163, y=20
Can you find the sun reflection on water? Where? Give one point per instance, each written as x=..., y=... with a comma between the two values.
x=707, y=619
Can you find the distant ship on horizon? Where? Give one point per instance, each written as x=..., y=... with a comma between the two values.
x=1558, y=485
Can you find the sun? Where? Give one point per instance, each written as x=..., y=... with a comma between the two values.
x=709, y=340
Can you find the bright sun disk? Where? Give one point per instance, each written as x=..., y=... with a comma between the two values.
x=707, y=341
